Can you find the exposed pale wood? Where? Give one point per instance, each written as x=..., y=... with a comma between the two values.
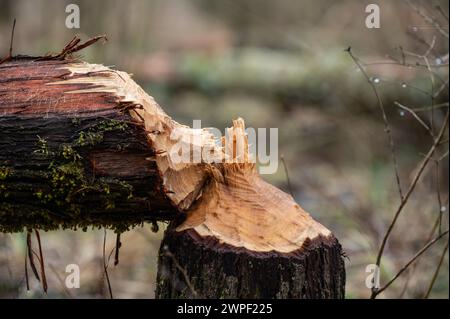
x=244, y=238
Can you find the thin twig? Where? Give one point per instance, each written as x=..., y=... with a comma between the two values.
x=31, y=257
x=10, y=56
x=287, y=175
x=167, y=253
x=118, y=245
x=442, y=12
x=12, y=39
x=387, y=127
x=105, y=266
x=417, y=37
x=438, y=193
x=403, y=55
x=405, y=267
x=61, y=281
x=41, y=260
x=72, y=47
x=414, y=114
x=428, y=107
x=411, y=188
x=436, y=272
x=441, y=89
x=408, y=65
x=416, y=65
x=427, y=52
x=26, y=271
x=432, y=77
x=428, y=19
x=443, y=156
x=432, y=81
x=412, y=270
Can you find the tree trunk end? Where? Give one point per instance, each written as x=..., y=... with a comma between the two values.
x=191, y=266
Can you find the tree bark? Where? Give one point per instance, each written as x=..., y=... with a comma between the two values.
x=72, y=159
x=81, y=145
x=192, y=266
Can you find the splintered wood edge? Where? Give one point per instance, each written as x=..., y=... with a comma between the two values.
x=226, y=201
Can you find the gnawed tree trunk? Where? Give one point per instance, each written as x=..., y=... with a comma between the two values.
x=244, y=238
x=81, y=144
x=192, y=266
x=70, y=157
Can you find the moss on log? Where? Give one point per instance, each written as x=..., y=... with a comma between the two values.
x=81, y=145
x=72, y=159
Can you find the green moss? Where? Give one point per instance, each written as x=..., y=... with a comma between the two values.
x=46, y=219
x=4, y=193
x=10, y=214
x=5, y=172
x=68, y=189
x=69, y=153
x=89, y=138
x=95, y=134
x=42, y=147
x=70, y=186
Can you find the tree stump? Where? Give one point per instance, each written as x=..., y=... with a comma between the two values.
x=244, y=238
x=217, y=270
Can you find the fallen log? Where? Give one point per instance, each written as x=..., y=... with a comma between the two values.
x=81, y=144
x=70, y=157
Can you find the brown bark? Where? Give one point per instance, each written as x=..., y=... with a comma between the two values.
x=191, y=266
x=74, y=159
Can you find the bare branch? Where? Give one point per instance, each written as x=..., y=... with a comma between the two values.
x=428, y=107
x=72, y=47
x=12, y=39
x=387, y=127
x=105, y=265
x=287, y=175
x=41, y=260
x=414, y=266
x=27, y=280
x=428, y=19
x=442, y=12
x=441, y=89
x=118, y=245
x=436, y=272
x=414, y=114
x=30, y=256
x=443, y=156
x=9, y=56
x=409, y=65
x=411, y=189
x=405, y=267
x=438, y=194
x=61, y=282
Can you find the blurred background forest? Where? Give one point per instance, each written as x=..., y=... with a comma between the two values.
x=276, y=64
